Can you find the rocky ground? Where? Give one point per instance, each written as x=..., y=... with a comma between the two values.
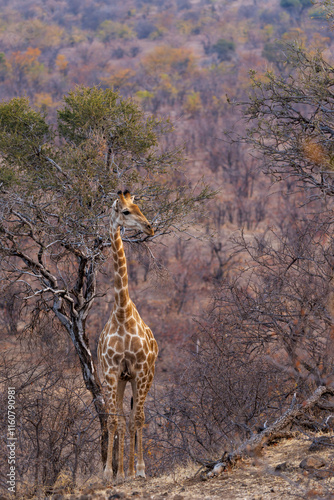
x=300, y=467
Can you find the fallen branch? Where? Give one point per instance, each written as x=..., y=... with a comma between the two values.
x=270, y=433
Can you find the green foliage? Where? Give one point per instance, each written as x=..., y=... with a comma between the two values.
x=90, y=110
x=319, y=14
x=110, y=30
x=145, y=96
x=7, y=176
x=224, y=49
x=3, y=66
x=23, y=131
x=193, y=103
x=272, y=51
x=290, y=4
x=102, y=143
x=296, y=4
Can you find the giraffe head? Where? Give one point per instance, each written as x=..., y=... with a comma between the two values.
x=127, y=214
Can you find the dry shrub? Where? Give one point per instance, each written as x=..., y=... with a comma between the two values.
x=267, y=335
x=56, y=426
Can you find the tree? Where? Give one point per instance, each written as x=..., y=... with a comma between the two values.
x=57, y=185
x=268, y=334
x=224, y=49
x=291, y=121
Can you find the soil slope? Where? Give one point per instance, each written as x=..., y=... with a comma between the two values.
x=255, y=478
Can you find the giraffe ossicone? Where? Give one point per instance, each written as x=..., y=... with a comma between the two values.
x=127, y=349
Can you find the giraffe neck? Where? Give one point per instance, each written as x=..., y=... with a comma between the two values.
x=122, y=297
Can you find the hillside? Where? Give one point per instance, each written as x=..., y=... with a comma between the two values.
x=274, y=474
x=241, y=302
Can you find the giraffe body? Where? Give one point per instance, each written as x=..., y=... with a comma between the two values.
x=127, y=350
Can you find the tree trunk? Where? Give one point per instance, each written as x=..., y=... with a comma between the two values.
x=76, y=329
x=92, y=381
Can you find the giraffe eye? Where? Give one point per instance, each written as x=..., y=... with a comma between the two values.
x=126, y=212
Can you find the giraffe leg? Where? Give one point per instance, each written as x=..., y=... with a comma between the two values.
x=112, y=427
x=132, y=429
x=142, y=388
x=121, y=430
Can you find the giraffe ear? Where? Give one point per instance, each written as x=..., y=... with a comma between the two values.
x=115, y=205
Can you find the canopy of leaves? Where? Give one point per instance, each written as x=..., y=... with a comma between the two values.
x=224, y=49
x=60, y=183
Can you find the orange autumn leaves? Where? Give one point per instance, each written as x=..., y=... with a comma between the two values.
x=315, y=153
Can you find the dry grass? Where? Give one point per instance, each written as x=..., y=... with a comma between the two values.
x=254, y=478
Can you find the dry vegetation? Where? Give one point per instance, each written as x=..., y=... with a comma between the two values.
x=274, y=474
x=241, y=304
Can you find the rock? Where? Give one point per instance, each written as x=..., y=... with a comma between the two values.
x=93, y=487
x=324, y=473
x=218, y=468
x=312, y=462
x=321, y=442
x=281, y=467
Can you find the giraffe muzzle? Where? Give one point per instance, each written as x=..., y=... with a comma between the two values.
x=149, y=230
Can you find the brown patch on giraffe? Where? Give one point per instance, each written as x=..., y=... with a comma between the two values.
x=145, y=347
x=122, y=271
x=121, y=262
x=129, y=356
x=140, y=356
x=121, y=330
x=104, y=364
x=150, y=358
x=127, y=341
x=118, y=281
x=124, y=296
x=154, y=346
x=113, y=246
x=108, y=356
x=137, y=318
x=135, y=345
x=122, y=314
x=131, y=326
x=118, y=243
x=116, y=343
x=149, y=333
x=110, y=379
x=117, y=358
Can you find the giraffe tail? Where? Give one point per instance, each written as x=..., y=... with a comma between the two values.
x=131, y=403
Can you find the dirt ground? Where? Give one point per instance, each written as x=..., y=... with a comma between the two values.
x=254, y=478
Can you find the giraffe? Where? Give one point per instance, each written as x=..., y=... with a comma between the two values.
x=127, y=349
